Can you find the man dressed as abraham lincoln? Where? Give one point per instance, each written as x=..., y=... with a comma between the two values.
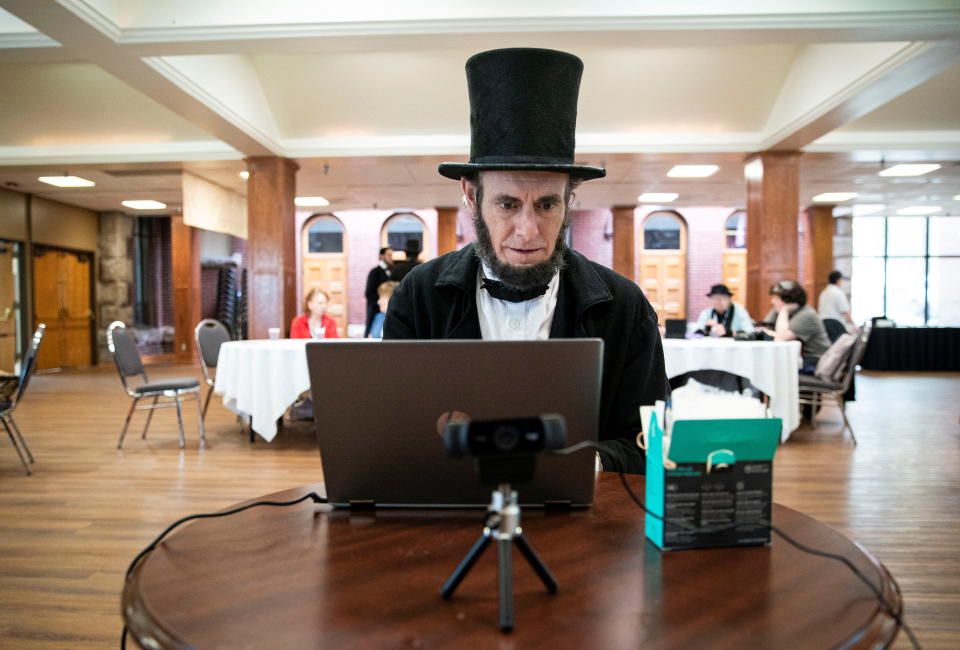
x=519, y=280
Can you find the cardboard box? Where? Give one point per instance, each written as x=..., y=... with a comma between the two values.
x=720, y=481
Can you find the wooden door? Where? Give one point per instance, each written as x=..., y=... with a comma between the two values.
x=328, y=269
x=61, y=290
x=9, y=306
x=735, y=273
x=663, y=264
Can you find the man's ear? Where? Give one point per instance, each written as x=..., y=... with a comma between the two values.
x=469, y=194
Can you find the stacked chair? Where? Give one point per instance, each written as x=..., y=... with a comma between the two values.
x=126, y=356
x=7, y=406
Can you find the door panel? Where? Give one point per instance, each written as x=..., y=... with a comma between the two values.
x=9, y=312
x=61, y=290
x=329, y=272
x=735, y=274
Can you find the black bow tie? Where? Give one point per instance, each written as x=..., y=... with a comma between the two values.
x=502, y=292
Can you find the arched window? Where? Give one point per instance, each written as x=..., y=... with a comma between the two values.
x=661, y=231
x=400, y=228
x=324, y=235
x=735, y=230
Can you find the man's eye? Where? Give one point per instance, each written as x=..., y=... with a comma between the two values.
x=505, y=205
x=548, y=205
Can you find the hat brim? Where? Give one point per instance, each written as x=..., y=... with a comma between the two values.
x=456, y=171
x=718, y=293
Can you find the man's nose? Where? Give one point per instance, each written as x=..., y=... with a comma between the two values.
x=525, y=223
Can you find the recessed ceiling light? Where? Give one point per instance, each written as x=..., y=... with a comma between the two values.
x=144, y=205
x=66, y=181
x=957, y=197
x=909, y=169
x=834, y=197
x=920, y=209
x=311, y=201
x=244, y=175
x=657, y=197
x=692, y=171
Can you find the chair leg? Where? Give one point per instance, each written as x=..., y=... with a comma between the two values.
x=16, y=446
x=23, y=442
x=183, y=440
x=206, y=403
x=143, y=436
x=200, y=414
x=846, y=422
x=126, y=422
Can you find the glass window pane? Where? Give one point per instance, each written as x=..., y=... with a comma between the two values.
x=736, y=230
x=905, y=289
x=868, y=236
x=661, y=232
x=944, y=236
x=866, y=288
x=402, y=229
x=944, y=290
x=325, y=236
x=906, y=236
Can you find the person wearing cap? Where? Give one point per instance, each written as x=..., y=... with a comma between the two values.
x=725, y=316
x=795, y=320
x=519, y=280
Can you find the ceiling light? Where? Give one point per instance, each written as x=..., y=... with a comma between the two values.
x=244, y=175
x=909, y=169
x=66, y=181
x=692, y=171
x=957, y=197
x=862, y=209
x=920, y=209
x=834, y=197
x=311, y=201
x=657, y=197
x=144, y=205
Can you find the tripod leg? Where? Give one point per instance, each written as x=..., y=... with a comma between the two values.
x=505, y=583
x=548, y=580
x=465, y=564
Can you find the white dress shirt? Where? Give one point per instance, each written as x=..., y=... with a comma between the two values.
x=502, y=320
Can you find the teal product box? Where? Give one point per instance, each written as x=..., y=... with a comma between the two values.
x=720, y=482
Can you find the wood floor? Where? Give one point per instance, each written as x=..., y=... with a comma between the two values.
x=68, y=532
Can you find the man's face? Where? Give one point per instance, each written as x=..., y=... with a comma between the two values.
x=776, y=302
x=524, y=213
x=387, y=256
x=720, y=302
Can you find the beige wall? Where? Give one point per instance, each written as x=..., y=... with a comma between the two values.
x=13, y=215
x=66, y=226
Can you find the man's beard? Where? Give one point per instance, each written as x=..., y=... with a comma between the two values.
x=520, y=278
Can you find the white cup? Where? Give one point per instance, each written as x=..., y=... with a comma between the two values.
x=273, y=333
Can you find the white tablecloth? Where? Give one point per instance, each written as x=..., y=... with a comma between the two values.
x=262, y=378
x=771, y=366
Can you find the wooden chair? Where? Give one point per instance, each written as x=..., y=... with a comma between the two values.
x=7, y=406
x=126, y=356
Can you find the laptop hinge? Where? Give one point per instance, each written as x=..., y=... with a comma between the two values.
x=362, y=504
x=558, y=505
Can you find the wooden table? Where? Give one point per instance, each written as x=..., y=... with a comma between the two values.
x=303, y=577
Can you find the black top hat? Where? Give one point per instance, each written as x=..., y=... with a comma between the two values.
x=719, y=290
x=412, y=247
x=523, y=113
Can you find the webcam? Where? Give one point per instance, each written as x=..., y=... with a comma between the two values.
x=505, y=437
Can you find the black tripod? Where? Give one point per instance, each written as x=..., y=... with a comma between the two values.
x=502, y=524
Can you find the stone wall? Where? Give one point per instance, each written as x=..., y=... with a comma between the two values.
x=115, y=286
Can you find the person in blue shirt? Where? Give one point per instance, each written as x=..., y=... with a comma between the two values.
x=384, y=291
x=725, y=317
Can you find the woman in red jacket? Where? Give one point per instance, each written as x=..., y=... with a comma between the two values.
x=314, y=324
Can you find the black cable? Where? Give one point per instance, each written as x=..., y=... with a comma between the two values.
x=884, y=605
x=316, y=498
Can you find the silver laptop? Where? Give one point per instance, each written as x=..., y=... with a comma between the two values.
x=380, y=408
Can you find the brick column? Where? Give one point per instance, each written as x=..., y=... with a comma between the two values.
x=446, y=230
x=271, y=254
x=185, y=253
x=817, y=249
x=624, y=240
x=773, y=199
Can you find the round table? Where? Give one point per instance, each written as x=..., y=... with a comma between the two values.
x=771, y=366
x=306, y=576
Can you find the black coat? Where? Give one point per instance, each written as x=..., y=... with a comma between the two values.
x=375, y=278
x=437, y=301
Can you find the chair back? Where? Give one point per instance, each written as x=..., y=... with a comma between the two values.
x=210, y=335
x=856, y=356
x=29, y=362
x=126, y=356
x=835, y=329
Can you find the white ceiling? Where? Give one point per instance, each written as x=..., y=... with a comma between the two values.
x=369, y=97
